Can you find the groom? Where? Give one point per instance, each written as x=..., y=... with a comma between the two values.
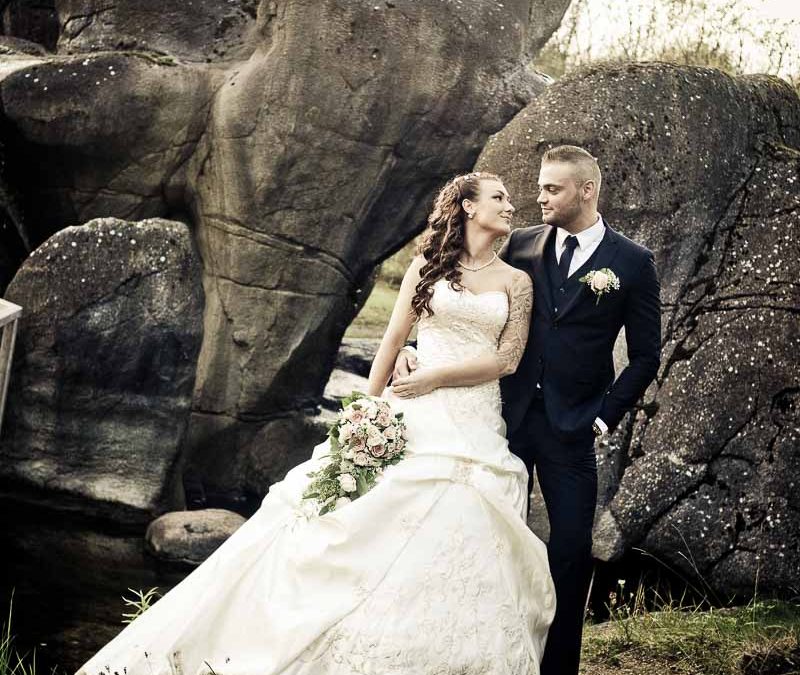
x=563, y=394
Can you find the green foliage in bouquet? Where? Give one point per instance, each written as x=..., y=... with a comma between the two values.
x=366, y=437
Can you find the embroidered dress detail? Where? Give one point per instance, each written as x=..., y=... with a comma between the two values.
x=433, y=571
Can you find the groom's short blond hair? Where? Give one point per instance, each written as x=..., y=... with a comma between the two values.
x=586, y=167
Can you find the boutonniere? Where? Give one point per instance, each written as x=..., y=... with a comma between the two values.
x=601, y=282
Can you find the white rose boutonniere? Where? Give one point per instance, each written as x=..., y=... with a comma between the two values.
x=601, y=282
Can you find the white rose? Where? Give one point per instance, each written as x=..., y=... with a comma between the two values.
x=345, y=431
x=347, y=482
x=599, y=281
x=390, y=433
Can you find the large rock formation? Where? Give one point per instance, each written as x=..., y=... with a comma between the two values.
x=104, y=369
x=302, y=141
x=704, y=169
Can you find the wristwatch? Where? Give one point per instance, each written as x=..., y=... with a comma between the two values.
x=597, y=430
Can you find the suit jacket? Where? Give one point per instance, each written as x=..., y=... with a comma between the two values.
x=570, y=351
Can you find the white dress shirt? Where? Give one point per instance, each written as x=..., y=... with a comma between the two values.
x=588, y=241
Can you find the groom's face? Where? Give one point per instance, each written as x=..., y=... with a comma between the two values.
x=559, y=197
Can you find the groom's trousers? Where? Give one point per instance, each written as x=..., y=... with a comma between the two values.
x=567, y=475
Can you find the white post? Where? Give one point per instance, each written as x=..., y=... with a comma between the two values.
x=9, y=318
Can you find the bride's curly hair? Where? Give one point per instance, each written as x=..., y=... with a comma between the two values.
x=443, y=242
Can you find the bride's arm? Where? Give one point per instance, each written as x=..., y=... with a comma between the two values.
x=397, y=331
x=503, y=362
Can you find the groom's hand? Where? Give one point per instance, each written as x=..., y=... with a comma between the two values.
x=404, y=364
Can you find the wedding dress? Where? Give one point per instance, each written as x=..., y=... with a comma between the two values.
x=432, y=572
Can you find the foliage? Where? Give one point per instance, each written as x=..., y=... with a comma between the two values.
x=724, y=34
x=11, y=663
x=140, y=603
x=365, y=438
x=374, y=316
x=393, y=268
x=760, y=638
x=707, y=635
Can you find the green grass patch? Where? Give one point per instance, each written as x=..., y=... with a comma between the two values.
x=761, y=638
x=374, y=316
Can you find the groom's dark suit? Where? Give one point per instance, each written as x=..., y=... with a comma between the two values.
x=563, y=382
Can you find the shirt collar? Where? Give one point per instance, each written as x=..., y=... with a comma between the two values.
x=586, y=238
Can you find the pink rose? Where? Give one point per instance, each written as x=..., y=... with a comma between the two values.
x=378, y=450
x=362, y=459
x=390, y=433
x=356, y=416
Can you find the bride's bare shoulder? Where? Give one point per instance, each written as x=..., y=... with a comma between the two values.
x=417, y=263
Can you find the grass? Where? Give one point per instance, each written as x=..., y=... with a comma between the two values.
x=374, y=315
x=11, y=662
x=140, y=603
x=671, y=637
x=760, y=638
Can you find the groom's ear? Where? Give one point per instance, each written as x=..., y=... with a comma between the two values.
x=589, y=190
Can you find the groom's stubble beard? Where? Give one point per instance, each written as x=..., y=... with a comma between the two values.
x=567, y=216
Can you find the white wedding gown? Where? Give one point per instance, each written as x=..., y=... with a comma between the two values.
x=434, y=571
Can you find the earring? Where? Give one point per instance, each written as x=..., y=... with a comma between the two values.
x=470, y=215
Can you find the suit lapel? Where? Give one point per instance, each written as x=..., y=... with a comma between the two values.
x=542, y=288
x=603, y=257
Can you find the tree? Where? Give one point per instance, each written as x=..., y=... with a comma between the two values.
x=725, y=34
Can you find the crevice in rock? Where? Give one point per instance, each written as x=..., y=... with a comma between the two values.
x=277, y=289
x=279, y=241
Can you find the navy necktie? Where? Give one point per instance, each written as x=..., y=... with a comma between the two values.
x=566, y=256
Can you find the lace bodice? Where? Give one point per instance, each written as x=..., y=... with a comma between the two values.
x=464, y=325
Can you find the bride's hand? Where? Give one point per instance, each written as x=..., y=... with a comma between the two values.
x=418, y=383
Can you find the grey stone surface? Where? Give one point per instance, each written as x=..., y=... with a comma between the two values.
x=104, y=367
x=191, y=536
x=299, y=162
x=30, y=20
x=341, y=384
x=203, y=30
x=355, y=355
x=703, y=169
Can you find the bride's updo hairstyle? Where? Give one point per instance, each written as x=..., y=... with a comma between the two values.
x=443, y=242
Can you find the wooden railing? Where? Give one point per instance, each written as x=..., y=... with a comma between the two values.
x=9, y=319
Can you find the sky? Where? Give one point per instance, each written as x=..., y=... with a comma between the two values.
x=780, y=9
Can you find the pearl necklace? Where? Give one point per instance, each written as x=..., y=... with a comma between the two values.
x=480, y=267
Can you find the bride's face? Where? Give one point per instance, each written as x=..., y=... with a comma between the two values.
x=492, y=209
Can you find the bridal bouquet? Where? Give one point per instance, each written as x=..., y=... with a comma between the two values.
x=366, y=437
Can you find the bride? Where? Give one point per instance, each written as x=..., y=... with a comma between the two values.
x=433, y=571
